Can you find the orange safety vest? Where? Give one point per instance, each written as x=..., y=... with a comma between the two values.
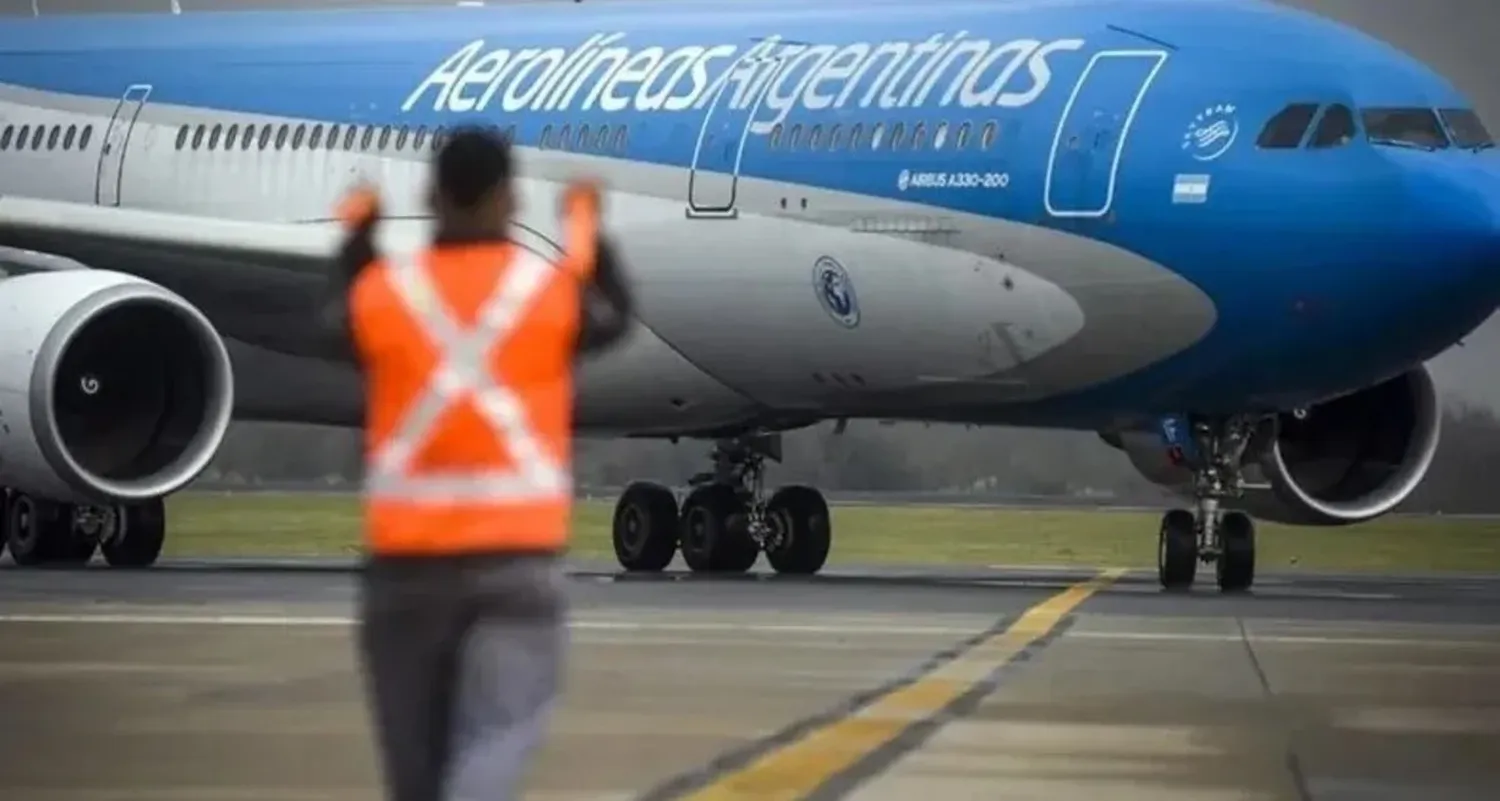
x=468, y=361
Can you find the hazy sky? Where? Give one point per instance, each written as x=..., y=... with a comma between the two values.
x=1454, y=36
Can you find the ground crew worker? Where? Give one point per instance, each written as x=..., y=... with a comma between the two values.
x=467, y=354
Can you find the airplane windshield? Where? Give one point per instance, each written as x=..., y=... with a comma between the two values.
x=1405, y=127
x=1468, y=131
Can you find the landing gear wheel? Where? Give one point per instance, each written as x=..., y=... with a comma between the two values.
x=42, y=533
x=1236, y=567
x=645, y=527
x=1177, y=550
x=715, y=531
x=140, y=532
x=800, y=531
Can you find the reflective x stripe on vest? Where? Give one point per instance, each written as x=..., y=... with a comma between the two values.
x=464, y=367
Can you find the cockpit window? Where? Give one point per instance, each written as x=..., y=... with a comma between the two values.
x=1284, y=131
x=1467, y=129
x=1405, y=127
x=1336, y=129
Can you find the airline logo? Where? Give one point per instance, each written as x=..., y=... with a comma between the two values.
x=607, y=74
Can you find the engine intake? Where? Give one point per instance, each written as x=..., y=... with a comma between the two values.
x=1351, y=459
x=112, y=388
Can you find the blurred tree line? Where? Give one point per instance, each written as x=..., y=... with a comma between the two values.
x=870, y=457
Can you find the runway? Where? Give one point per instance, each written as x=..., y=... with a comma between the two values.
x=236, y=681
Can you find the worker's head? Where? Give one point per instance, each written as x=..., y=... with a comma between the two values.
x=472, y=178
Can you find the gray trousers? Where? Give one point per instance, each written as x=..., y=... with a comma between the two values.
x=463, y=659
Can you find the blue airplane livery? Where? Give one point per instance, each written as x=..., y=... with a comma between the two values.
x=1223, y=234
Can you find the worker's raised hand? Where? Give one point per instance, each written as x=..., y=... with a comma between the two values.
x=360, y=208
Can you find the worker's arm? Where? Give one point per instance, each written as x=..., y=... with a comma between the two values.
x=607, y=302
x=356, y=251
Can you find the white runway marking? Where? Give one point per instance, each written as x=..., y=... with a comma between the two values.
x=851, y=628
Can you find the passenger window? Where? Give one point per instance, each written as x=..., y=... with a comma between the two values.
x=22, y=136
x=333, y=137
x=918, y=136
x=776, y=136
x=794, y=138
x=603, y=138
x=1336, y=129
x=565, y=137
x=83, y=141
x=857, y=135
x=316, y=140
x=283, y=133
x=214, y=136
x=299, y=135
x=419, y=138
x=198, y=133
x=898, y=135
x=940, y=136
x=877, y=135
x=182, y=135
x=815, y=137
x=963, y=137
x=546, y=136
x=1284, y=130
x=385, y=136
x=401, y=136
x=1467, y=129
x=439, y=136
x=249, y=137
x=231, y=137
x=988, y=135
x=53, y=137
x=36, y=137
x=265, y=136
x=367, y=139
x=10, y=133
x=836, y=137
x=583, y=137
x=1406, y=127
x=68, y=140
x=349, y=134
x=620, y=134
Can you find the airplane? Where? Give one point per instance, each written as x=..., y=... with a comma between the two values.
x=1223, y=234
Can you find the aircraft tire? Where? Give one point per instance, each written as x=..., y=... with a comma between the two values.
x=800, y=515
x=1177, y=550
x=1236, y=566
x=715, y=533
x=140, y=533
x=41, y=533
x=645, y=527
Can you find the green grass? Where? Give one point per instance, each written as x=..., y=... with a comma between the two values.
x=207, y=525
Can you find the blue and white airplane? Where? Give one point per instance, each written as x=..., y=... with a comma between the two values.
x=1223, y=234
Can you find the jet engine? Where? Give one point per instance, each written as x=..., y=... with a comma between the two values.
x=112, y=388
x=1344, y=461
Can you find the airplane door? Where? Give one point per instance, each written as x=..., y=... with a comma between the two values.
x=720, y=150
x=1093, y=130
x=116, y=139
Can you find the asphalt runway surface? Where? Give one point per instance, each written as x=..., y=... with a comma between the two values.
x=237, y=681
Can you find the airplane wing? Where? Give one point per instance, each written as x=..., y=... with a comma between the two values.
x=259, y=282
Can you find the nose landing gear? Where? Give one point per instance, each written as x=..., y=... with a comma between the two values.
x=1208, y=533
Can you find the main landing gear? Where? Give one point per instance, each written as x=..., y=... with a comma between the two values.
x=42, y=533
x=725, y=523
x=1225, y=539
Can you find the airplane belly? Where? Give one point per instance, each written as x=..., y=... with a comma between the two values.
x=798, y=315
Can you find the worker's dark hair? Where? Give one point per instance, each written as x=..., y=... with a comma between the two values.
x=473, y=161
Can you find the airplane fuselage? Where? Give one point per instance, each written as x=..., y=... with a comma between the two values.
x=1019, y=213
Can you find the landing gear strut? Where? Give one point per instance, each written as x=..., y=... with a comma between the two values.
x=1225, y=539
x=42, y=533
x=725, y=522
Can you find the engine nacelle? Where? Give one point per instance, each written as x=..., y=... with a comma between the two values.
x=112, y=388
x=1349, y=460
